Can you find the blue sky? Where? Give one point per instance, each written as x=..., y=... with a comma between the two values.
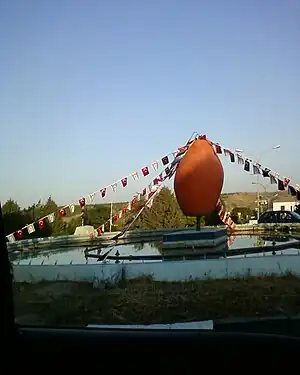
x=92, y=90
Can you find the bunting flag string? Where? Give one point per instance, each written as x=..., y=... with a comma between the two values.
x=123, y=182
x=147, y=204
x=150, y=193
x=283, y=182
x=147, y=192
x=225, y=216
x=231, y=240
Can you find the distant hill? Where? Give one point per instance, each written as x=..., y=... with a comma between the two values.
x=244, y=199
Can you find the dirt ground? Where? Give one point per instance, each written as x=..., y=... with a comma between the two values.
x=144, y=301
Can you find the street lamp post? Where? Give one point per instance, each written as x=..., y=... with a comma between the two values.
x=258, y=184
x=258, y=200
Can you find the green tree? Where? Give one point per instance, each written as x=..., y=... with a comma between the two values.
x=98, y=214
x=241, y=215
x=13, y=217
x=10, y=206
x=49, y=207
x=59, y=227
x=164, y=213
x=43, y=210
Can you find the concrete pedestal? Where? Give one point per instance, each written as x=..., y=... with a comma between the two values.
x=191, y=241
x=85, y=230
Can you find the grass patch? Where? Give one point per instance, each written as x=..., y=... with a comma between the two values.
x=145, y=301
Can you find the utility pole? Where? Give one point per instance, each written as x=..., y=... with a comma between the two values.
x=258, y=200
x=110, y=218
x=257, y=197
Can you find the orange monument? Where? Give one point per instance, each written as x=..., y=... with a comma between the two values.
x=199, y=179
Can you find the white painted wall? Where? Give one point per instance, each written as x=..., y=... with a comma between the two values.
x=289, y=206
x=164, y=271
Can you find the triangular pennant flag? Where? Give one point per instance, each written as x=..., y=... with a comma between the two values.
x=92, y=197
x=182, y=149
x=30, y=228
x=266, y=172
x=256, y=169
x=51, y=217
x=155, y=166
x=286, y=181
x=72, y=208
x=273, y=180
x=135, y=175
x=124, y=181
x=149, y=204
x=41, y=223
x=11, y=238
x=247, y=166
x=103, y=192
x=114, y=187
x=232, y=158
x=165, y=160
x=292, y=191
x=240, y=159
x=218, y=149
x=82, y=202
x=280, y=185
x=145, y=171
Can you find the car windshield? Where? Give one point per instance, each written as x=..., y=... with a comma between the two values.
x=117, y=209
x=296, y=215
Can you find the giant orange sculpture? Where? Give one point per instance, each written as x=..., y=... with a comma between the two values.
x=199, y=179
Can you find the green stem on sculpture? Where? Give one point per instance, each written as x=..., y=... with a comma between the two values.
x=198, y=223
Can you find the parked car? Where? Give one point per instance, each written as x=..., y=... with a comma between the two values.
x=279, y=217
